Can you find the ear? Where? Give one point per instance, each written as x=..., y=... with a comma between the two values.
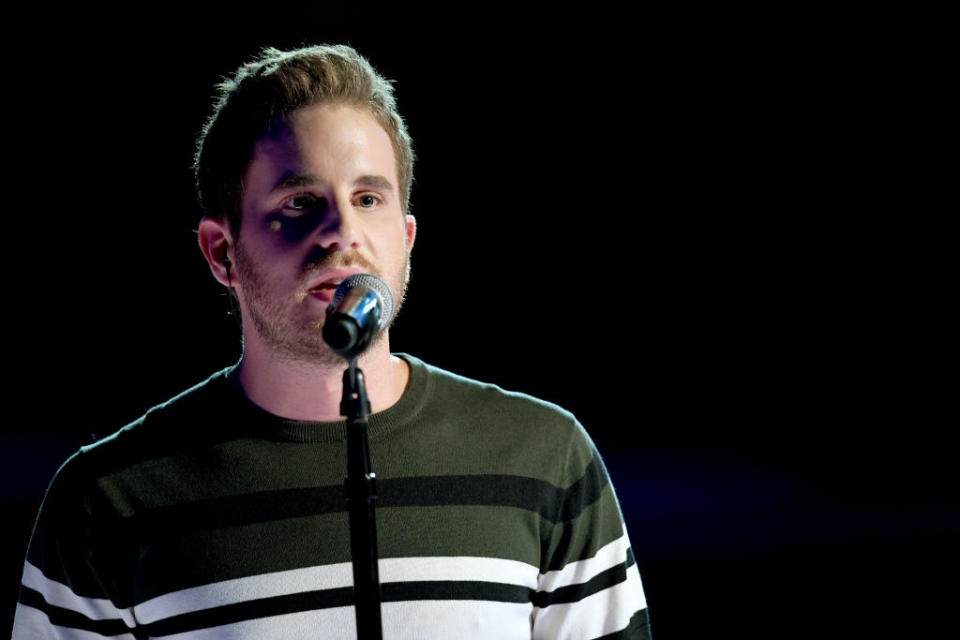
x=216, y=245
x=410, y=228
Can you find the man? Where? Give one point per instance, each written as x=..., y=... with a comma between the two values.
x=221, y=513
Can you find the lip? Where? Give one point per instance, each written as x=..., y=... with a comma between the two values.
x=326, y=283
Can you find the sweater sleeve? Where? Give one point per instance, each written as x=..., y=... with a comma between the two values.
x=66, y=592
x=589, y=584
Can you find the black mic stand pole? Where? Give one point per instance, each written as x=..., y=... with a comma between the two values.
x=360, y=488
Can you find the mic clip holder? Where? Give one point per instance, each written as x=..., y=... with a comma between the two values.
x=360, y=489
x=354, y=404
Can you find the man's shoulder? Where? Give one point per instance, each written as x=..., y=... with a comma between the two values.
x=457, y=388
x=501, y=413
x=181, y=421
x=511, y=431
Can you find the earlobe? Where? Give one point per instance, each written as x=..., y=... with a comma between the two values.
x=215, y=244
x=410, y=228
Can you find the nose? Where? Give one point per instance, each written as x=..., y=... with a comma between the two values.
x=340, y=230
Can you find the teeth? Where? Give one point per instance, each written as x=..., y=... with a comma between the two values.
x=329, y=284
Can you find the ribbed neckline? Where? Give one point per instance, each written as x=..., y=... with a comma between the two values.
x=262, y=423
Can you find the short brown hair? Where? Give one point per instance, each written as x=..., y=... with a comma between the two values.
x=263, y=93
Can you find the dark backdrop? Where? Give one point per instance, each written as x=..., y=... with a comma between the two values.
x=659, y=222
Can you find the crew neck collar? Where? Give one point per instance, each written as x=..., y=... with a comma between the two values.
x=264, y=424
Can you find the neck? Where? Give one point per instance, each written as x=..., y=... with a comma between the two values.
x=312, y=391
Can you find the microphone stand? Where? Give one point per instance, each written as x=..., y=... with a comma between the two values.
x=360, y=488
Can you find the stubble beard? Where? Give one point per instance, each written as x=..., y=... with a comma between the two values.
x=278, y=318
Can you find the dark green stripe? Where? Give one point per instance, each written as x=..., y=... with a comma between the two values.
x=231, y=511
x=552, y=503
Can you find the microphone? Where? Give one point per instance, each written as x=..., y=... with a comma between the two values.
x=362, y=305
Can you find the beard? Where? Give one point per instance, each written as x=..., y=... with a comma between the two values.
x=278, y=315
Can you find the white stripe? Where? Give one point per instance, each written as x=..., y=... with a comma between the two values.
x=606, y=557
x=459, y=619
x=459, y=568
x=339, y=622
x=33, y=624
x=419, y=620
x=267, y=585
x=60, y=595
x=332, y=577
x=602, y=613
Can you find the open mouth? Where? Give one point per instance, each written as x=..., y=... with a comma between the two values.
x=323, y=291
x=326, y=289
x=332, y=279
x=329, y=285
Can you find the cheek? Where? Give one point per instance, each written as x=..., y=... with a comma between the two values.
x=290, y=231
x=258, y=260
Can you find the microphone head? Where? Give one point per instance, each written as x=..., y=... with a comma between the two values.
x=362, y=306
x=372, y=283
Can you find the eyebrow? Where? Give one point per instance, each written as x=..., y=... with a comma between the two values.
x=292, y=179
x=374, y=182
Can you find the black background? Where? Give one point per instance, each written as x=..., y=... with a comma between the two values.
x=680, y=225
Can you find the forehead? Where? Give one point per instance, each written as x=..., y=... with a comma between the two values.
x=336, y=138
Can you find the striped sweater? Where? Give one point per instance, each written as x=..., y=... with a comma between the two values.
x=211, y=518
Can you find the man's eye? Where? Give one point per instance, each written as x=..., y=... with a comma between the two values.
x=368, y=201
x=300, y=203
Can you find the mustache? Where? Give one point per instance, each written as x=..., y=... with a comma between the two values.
x=320, y=259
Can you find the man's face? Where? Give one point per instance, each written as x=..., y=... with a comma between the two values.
x=321, y=202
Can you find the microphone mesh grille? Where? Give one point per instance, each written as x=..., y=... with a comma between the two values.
x=372, y=283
